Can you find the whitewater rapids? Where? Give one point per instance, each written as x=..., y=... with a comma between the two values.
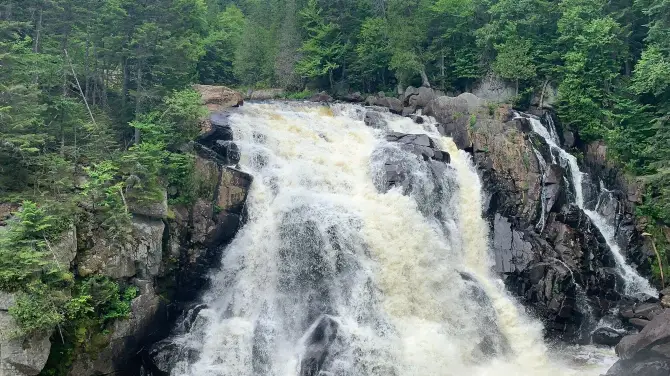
x=406, y=278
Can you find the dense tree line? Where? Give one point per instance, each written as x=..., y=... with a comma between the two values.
x=94, y=98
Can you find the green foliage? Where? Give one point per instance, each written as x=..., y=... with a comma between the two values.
x=300, y=95
x=96, y=302
x=323, y=45
x=373, y=54
x=514, y=61
x=24, y=255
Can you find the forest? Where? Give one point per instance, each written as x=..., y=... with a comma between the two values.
x=95, y=99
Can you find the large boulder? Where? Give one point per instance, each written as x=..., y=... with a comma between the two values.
x=606, y=336
x=419, y=144
x=456, y=116
x=416, y=98
x=157, y=209
x=322, y=97
x=657, y=332
x=381, y=100
x=218, y=98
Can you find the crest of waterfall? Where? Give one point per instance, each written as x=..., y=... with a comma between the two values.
x=633, y=283
x=335, y=274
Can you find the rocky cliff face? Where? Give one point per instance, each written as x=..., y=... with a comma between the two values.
x=167, y=255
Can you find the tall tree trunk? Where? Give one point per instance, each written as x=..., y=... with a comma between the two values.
x=87, y=72
x=138, y=100
x=126, y=81
x=330, y=78
x=38, y=30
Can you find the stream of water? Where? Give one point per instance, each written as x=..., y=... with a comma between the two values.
x=634, y=284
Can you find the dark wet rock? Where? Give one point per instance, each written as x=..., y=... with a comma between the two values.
x=318, y=346
x=192, y=243
x=418, y=119
x=569, y=139
x=512, y=253
x=606, y=336
x=546, y=248
x=653, y=366
x=163, y=357
x=554, y=188
x=228, y=150
x=393, y=104
x=220, y=130
x=654, y=333
x=420, y=145
x=375, y=120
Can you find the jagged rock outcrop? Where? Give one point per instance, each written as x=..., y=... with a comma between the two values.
x=456, y=116
x=393, y=104
x=417, y=98
x=20, y=356
x=546, y=248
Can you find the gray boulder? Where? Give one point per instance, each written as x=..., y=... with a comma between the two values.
x=454, y=117
x=321, y=97
x=647, y=311
x=657, y=332
x=393, y=104
x=20, y=356
x=416, y=98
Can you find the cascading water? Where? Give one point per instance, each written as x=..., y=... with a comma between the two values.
x=335, y=273
x=634, y=284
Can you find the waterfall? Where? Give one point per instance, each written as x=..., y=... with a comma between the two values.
x=633, y=282
x=337, y=274
x=543, y=195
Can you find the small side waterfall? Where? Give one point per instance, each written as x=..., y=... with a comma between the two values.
x=633, y=283
x=338, y=272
